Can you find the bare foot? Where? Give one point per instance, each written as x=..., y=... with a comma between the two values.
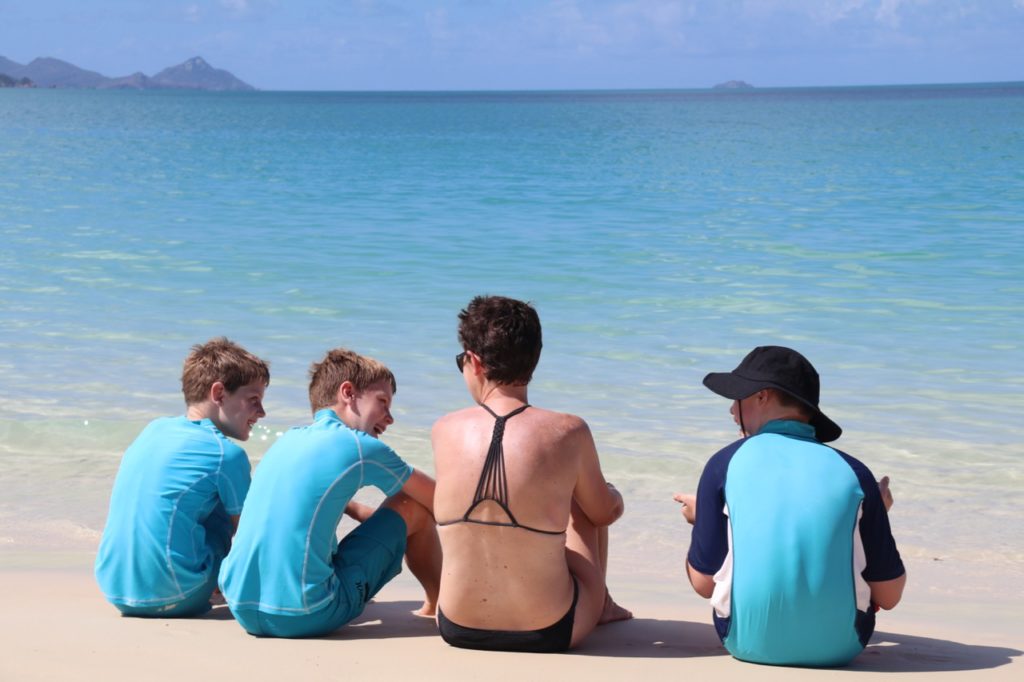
x=612, y=611
x=428, y=610
x=359, y=511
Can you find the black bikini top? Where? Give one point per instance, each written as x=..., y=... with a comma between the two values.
x=493, y=484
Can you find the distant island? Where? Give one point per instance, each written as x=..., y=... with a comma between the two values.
x=8, y=82
x=47, y=72
x=733, y=85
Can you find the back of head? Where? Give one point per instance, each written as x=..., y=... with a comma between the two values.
x=341, y=365
x=505, y=334
x=220, y=360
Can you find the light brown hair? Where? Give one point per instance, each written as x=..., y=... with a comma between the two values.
x=341, y=365
x=220, y=360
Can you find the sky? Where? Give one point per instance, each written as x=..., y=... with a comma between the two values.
x=530, y=44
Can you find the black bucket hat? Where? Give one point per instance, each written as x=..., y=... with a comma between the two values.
x=780, y=368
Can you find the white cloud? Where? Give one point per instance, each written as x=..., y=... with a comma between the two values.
x=888, y=13
x=192, y=13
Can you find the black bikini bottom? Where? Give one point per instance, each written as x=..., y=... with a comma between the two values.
x=552, y=639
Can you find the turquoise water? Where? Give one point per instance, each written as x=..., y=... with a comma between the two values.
x=661, y=235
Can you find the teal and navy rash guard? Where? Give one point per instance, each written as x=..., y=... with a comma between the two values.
x=792, y=531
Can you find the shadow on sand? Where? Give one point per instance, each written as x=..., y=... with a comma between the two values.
x=887, y=652
x=653, y=638
x=387, y=619
x=892, y=652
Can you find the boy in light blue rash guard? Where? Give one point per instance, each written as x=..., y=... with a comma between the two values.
x=286, y=574
x=791, y=538
x=180, y=488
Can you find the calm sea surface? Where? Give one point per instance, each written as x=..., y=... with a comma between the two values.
x=661, y=235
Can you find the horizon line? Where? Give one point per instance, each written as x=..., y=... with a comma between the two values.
x=554, y=90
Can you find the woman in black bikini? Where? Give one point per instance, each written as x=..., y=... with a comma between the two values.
x=522, y=506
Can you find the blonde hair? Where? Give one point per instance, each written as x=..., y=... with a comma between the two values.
x=341, y=365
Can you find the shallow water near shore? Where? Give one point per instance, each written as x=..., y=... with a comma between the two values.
x=661, y=235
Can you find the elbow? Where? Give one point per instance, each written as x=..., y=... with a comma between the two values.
x=703, y=584
x=888, y=602
x=887, y=594
x=612, y=513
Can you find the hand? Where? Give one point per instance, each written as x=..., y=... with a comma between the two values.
x=883, y=488
x=689, y=508
x=216, y=598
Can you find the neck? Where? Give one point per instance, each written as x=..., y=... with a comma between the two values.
x=198, y=411
x=782, y=414
x=503, y=395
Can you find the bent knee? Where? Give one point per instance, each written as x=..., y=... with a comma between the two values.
x=415, y=515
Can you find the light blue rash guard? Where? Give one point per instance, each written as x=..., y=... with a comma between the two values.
x=791, y=530
x=282, y=557
x=169, y=526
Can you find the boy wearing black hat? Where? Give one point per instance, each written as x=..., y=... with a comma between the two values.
x=791, y=538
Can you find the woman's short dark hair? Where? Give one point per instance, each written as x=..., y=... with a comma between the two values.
x=505, y=334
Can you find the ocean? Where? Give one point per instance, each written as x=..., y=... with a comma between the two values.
x=661, y=235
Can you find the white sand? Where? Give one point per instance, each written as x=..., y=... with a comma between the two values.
x=56, y=626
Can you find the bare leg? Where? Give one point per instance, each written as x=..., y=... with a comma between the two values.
x=611, y=611
x=359, y=511
x=422, y=549
x=586, y=551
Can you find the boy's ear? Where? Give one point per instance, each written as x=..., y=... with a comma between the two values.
x=346, y=393
x=217, y=392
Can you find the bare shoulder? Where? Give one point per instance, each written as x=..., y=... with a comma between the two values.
x=564, y=425
x=452, y=420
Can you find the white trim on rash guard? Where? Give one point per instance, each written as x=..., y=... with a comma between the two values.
x=721, y=598
x=861, y=588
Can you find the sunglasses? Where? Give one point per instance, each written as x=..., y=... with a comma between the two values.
x=460, y=360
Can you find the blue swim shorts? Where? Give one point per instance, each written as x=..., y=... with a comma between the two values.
x=367, y=558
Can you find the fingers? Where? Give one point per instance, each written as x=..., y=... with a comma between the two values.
x=689, y=508
x=886, y=493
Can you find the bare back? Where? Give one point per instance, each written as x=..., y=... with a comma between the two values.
x=500, y=576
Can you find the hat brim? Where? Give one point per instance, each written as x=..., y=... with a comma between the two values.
x=728, y=385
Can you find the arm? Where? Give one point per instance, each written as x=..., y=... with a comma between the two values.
x=420, y=487
x=886, y=594
x=706, y=511
x=703, y=584
x=599, y=500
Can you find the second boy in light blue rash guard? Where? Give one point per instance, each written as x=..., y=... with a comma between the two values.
x=286, y=574
x=791, y=537
x=282, y=559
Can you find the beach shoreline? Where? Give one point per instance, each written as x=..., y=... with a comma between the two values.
x=60, y=627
